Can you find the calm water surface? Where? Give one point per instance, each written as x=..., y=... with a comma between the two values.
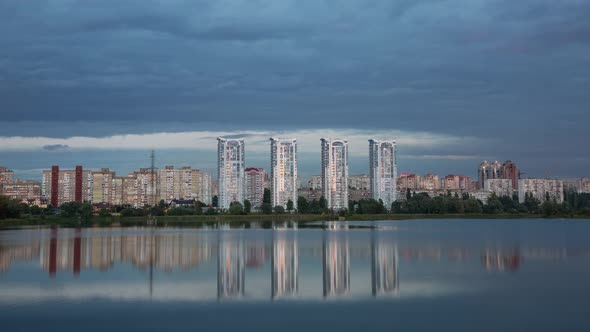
x=464, y=275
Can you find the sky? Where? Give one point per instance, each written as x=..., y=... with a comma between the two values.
x=102, y=82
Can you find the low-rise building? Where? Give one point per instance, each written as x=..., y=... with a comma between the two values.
x=309, y=194
x=541, y=189
x=358, y=194
x=482, y=195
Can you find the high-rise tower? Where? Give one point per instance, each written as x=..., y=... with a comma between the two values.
x=335, y=173
x=230, y=171
x=383, y=171
x=283, y=171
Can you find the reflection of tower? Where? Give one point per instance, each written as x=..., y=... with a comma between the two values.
x=284, y=264
x=53, y=253
x=230, y=266
x=77, y=252
x=336, y=263
x=501, y=259
x=384, y=266
x=255, y=255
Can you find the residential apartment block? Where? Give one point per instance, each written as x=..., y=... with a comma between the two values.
x=61, y=186
x=501, y=187
x=383, y=170
x=230, y=171
x=6, y=175
x=255, y=186
x=335, y=172
x=584, y=185
x=541, y=189
x=24, y=191
x=457, y=182
x=283, y=171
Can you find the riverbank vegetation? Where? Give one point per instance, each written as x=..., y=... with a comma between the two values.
x=414, y=206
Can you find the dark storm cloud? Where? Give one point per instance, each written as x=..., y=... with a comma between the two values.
x=514, y=72
x=56, y=147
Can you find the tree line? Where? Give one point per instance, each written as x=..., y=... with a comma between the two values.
x=415, y=203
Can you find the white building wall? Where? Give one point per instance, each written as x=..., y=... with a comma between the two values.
x=283, y=171
x=230, y=171
x=383, y=171
x=335, y=173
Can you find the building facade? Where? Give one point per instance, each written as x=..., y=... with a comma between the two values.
x=501, y=187
x=430, y=182
x=315, y=182
x=255, y=186
x=102, y=186
x=510, y=171
x=457, y=182
x=359, y=182
x=488, y=170
x=335, y=173
x=283, y=171
x=6, y=175
x=383, y=170
x=409, y=181
x=541, y=189
x=230, y=171
x=584, y=185
x=24, y=191
x=60, y=186
x=184, y=183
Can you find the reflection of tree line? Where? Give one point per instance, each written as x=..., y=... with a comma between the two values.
x=67, y=250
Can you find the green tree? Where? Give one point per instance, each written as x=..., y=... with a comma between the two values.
x=266, y=208
x=236, y=208
x=302, y=205
x=289, y=206
x=215, y=201
x=247, y=206
x=70, y=209
x=323, y=204
x=279, y=209
x=9, y=208
x=104, y=213
x=532, y=204
x=266, y=196
x=162, y=204
x=199, y=207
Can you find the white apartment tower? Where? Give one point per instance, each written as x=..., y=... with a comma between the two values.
x=383, y=170
x=283, y=171
x=335, y=173
x=230, y=171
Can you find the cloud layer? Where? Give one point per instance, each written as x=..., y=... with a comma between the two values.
x=512, y=74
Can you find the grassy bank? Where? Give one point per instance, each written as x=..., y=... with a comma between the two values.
x=246, y=220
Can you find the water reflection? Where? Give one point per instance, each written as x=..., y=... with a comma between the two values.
x=284, y=264
x=384, y=265
x=353, y=262
x=231, y=269
x=336, y=263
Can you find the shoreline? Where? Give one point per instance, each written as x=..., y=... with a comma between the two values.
x=202, y=220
